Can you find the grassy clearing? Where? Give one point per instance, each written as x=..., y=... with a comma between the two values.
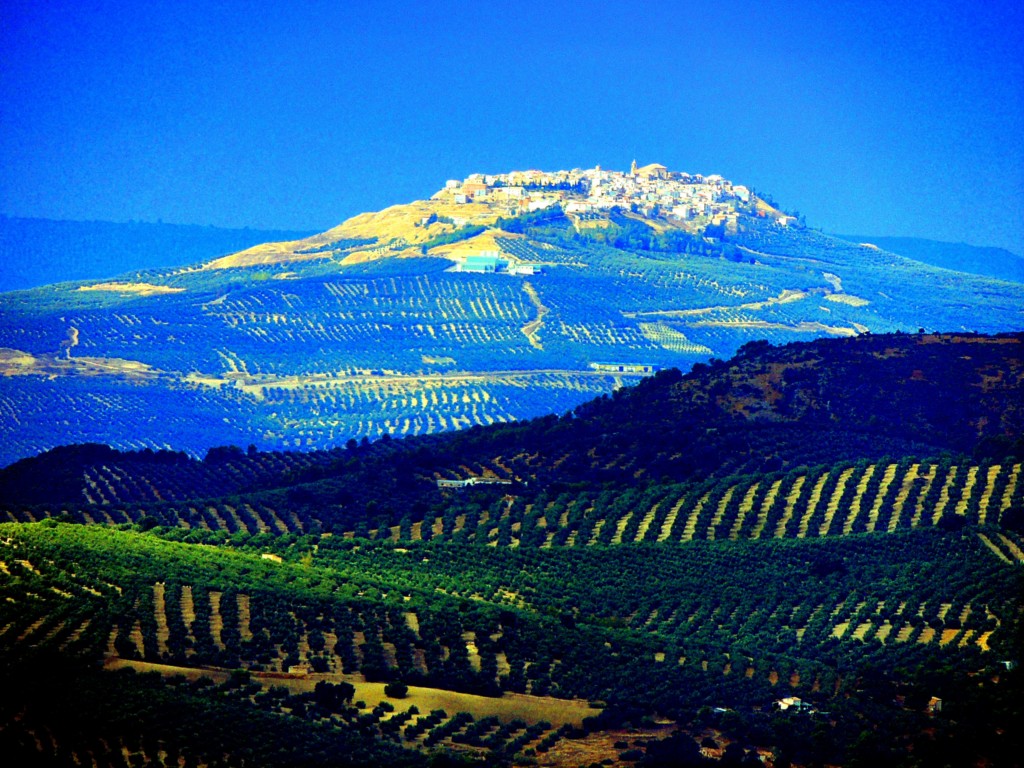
x=510, y=706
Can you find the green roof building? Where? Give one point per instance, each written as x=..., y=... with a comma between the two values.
x=481, y=262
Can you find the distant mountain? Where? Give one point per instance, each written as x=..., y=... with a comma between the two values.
x=36, y=252
x=498, y=298
x=979, y=260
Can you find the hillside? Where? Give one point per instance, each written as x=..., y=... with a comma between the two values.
x=733, y=556
x=767, y=409
x=499, y=298
x=991, y=262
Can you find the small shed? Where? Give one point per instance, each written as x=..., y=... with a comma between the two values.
x=794, y=703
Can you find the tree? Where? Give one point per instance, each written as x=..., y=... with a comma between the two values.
x=333, y=696
x=222, y=454
x=396, y=690
x=677, y=750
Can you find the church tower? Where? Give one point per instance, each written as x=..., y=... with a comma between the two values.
x=632, y=169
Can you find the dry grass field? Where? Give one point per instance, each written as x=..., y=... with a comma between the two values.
x=510, y=706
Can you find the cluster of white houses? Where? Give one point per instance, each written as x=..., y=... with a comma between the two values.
x=650, y=189
x=446, y=483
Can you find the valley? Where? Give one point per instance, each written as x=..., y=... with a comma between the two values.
x=729, y=562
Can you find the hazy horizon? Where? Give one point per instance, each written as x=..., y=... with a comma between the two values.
x=312, y=230
x=898, y=120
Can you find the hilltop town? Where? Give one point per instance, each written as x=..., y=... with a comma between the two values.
x=651, y=190
x=591, y=199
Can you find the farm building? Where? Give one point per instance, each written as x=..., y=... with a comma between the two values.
x=444, y=483
x=485, y=262
x=794, y=703
x=625, y=367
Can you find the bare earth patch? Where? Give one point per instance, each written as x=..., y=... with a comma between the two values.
x=600, y=746
x=846, y=298
x=14, y=362
x=140, y=289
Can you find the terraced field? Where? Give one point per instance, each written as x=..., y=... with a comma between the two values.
x=299, y=611
x=840, y=500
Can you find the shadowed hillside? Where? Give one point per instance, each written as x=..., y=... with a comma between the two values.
x=992, y=262
x=769, y=409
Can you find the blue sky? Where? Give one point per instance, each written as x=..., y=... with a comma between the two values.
x=885, y=118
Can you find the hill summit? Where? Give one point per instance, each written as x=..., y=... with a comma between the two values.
x=678, y=201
